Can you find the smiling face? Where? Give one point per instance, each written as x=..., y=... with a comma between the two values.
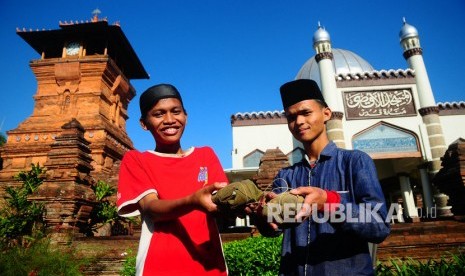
x=306, y=121
x=166, y=121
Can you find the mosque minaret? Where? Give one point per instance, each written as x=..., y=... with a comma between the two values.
x=324, y=58
x=410, y=42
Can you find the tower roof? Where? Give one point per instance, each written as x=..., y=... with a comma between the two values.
x=97, y=35
x=321, y=35
x=407, y=31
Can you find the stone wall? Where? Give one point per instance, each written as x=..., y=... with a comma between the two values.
x=271, y=162
x=423, y=241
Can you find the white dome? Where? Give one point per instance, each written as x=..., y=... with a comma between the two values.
x=344, y=62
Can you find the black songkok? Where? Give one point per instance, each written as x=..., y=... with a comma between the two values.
x=155, y=93
x=300, y=90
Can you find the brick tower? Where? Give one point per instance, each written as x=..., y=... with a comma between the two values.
x=83, y=73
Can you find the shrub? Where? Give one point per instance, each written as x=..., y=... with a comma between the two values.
x=21, y=219
x=253, y=256
x=24, y=248
x=105, y=211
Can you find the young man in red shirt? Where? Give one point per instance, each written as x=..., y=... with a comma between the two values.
x=171, y=188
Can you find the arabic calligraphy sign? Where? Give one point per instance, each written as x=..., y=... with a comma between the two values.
x=379, y=104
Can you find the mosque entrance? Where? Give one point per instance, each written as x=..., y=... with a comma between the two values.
x=399, y=162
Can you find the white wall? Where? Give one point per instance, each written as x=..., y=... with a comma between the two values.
x=453, y=127
x=249, y=138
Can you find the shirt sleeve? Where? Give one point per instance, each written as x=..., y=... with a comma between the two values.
x=133, y=184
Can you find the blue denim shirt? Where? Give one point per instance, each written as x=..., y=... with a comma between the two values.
x=324, y=247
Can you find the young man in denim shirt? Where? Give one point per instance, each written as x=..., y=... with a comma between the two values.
x=344, y=207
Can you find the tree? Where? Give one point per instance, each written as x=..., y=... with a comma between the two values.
x=2, y=142
x=2, y=139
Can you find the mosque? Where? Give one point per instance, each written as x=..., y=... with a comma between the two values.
x=390, y=114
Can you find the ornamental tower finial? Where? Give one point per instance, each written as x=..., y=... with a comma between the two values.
x=95, y=14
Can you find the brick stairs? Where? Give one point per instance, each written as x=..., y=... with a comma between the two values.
x=109, y=253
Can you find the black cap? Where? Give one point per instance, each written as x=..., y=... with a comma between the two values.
x=153, y=94
x=300, y=90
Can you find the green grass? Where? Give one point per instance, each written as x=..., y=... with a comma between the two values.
x=450, y=265
x=41, y=259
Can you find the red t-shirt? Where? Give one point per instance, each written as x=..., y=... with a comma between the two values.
x=189, y=245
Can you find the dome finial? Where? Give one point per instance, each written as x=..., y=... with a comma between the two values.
x=95, y=14
x=403, y=20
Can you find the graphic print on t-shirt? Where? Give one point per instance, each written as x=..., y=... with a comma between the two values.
x=203, y=175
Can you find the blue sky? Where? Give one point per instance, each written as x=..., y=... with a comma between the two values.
x=229, y=56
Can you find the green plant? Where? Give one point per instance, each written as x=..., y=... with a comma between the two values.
x=40, y=259
x=129, y=266
x=21, y=220
x=253, y=256
x=103, y=190
x=455, y=265
x=2, y=139
x=105, y=210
